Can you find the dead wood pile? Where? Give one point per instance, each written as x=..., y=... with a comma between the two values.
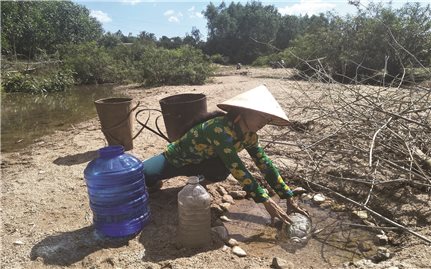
x=371, y=143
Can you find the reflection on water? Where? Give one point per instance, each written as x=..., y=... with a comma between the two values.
x=25, y=117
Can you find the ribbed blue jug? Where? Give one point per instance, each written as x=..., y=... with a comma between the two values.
x=117, y=192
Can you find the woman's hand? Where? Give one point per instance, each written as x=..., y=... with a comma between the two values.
x=292, y=206
x=275, y=211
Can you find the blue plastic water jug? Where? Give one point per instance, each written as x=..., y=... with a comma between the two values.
x=117, y=192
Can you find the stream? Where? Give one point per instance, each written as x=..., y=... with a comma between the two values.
x=27, y=117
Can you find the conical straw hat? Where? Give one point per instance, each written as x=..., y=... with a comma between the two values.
x=258, y=99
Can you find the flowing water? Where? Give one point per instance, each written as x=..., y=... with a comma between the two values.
x=333, y=241
x=26, y=117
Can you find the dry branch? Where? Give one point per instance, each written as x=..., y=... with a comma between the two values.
x=374, y=138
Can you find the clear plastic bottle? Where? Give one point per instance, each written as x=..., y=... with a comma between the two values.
x=300, y=229
x=194, y=216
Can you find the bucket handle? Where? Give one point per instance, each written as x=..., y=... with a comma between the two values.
x=145, y=126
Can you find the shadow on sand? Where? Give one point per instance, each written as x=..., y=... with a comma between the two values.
x=159, y=237
x=68, y=248
x=79, y=158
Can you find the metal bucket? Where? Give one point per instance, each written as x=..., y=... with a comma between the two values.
x=181, y=110
x=115, y=115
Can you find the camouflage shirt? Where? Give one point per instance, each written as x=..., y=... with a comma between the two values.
x=220, y=137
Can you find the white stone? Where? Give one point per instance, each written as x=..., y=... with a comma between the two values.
x=382, y=254
x=384, y=251
x=319, y=198
x=279, y=263
x=364, y=263
x=225, y=206
x=18, y=242
x=225, y=248
x=226, y=219
x=232, y=242
x=362, y=214
x=307, y=196
x=382, y=238
x=239, y=251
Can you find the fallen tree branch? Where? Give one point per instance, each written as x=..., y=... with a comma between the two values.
x=374, y=140
x=372, y=184
x=371, y=227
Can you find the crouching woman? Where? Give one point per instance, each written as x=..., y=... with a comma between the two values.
x=211, y=148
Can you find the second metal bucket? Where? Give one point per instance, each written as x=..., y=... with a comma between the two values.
x=181, y=110
x=115, y=115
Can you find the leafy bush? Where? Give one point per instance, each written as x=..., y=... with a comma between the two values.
x=89, y=62
x=184, y=65
x=137, y=62
x=19, y=82
x=59, y=81
x=267, y=59
x=127, y=60
x=31, y=25
x=370, y=47
x=366, y=46
x=219, y=59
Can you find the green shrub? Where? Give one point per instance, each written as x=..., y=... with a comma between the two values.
x=89, y=62
x=59, y=81
x=267, y=59
x=137, y=62
x=367, y=48
x=219, y=59
x=261, y=61
x=185, y=65
x=18, y=82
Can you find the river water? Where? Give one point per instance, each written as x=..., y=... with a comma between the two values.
x=26, y=117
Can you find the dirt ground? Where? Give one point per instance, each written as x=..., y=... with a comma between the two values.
x=47, y=222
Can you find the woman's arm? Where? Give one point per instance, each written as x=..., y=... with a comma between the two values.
x=271, y=174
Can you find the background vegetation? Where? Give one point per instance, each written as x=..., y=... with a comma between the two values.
x=47, y=46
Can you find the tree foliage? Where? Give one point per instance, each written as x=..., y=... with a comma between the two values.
x=28, y=26
x=137, y=62
x=238, y=31
x=375, y=43
x=92, y=64
x=53, y=82
x=184, y=65
x=378, y=41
